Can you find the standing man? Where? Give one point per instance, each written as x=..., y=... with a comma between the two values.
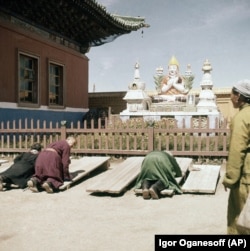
x=237, y=176
x=52, y=166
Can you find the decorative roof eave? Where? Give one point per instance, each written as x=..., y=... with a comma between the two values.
x=123, y=22
x=130, y=23
x=83, y=22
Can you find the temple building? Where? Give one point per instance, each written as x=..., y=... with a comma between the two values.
x=43, y=47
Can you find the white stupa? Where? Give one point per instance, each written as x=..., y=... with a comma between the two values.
x=136, y=97
x=207, y=98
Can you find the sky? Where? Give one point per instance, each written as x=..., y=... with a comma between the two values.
x=190, y=30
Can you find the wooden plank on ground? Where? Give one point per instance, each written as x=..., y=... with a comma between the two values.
x=2, y=161
x=202, y=179
x=82, y=167
x=115, y=180
x=5, y=166
x=185, y=165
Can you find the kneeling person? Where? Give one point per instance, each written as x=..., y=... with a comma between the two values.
x=20, y=172
x=52, y=167
x=158, y=172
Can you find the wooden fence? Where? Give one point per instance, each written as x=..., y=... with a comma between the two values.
x=118, y=138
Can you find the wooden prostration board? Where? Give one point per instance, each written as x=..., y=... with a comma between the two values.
x=185, y=165
x=2, y=161
x=117, y=179
x=202, y=179
x=82, y=167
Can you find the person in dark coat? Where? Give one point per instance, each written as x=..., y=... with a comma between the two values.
x=52, y=167
x=158, y=172
x=22, y=169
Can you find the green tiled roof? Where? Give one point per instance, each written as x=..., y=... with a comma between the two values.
x=83, y=22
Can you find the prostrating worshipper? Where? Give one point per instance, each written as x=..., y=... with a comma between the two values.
x=158, y=172
x=52, y=167
x=17, y=175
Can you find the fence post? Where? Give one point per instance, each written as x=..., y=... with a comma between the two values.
x=63, y=132
x=150, y=138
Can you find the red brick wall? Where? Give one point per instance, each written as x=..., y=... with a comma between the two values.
x=14, y=38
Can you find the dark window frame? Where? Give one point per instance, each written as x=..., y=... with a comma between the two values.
x=56, y=84
x=28, y=93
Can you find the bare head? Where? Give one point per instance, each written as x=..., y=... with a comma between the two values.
x=36, y=148
x=71, y=141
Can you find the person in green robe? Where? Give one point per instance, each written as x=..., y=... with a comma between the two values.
x=237, y=175
x=158, y=172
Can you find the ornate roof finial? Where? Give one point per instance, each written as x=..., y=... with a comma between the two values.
x=207, y=66
x=159, y=71
x=137, y=73
x=173, y=61
x=188, y=72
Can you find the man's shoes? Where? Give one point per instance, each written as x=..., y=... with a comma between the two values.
x=1, y=183
x=48, y=187
x=145, y=192
x=5, y=183
x=153, y=192
x=32, y=185
x=155, y=189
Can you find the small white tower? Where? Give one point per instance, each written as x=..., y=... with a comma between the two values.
x=137, y=99
x=207, y=99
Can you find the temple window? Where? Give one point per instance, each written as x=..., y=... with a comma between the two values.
x=56, y=84
x=28, y=79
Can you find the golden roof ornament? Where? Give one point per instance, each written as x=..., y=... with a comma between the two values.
x=173, y=61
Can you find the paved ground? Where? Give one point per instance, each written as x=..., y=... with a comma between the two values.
x=77, y=220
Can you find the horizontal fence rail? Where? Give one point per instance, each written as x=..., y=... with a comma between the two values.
x=115, y=137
